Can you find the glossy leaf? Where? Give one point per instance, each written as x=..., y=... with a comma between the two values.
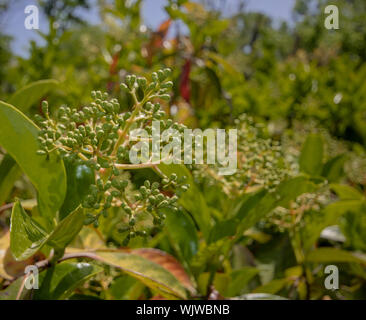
x=67, y=229
x=26, y=236
x=9, y=173
x=169, y=263
x=79, y=178
x=18, y=135
x=182, y=233
x=150, y=273
x=23, y=99
x=59, y=282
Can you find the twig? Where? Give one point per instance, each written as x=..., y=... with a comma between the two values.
x=21, y=288
x=6, y=207
x=136, y=166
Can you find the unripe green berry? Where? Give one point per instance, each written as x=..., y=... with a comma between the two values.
x=45, y=107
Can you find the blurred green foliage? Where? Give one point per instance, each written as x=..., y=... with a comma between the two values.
x=268, y=229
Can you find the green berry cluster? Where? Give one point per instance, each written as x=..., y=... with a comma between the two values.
x=98, y=136
x=282, y=219
x=261, y=162
x=150, y=198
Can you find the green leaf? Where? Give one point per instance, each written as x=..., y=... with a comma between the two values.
x=12, y=291
x=126, y=288
x=150, y=273
x=18, y=135
x=228, y=228
x=271, y=287
x=326, y=255
x=22, y=99
x=26, y=236
x=333, y=169
x=239, y=280
x=182, y=233
x=67, y=229
x=316, y=221
x=9, y=173
x=221, y=229
x=253, y=207
x=345, y=192
x=311, y=157
x=354, y=228
x=59, y=282
x=79, y=179
x=287, y=191
x=192, y=200
x=248, y=202
x=31, y=94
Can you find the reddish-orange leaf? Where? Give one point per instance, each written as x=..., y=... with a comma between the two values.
x=169, y=263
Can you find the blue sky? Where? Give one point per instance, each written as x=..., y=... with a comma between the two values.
x=12, y=22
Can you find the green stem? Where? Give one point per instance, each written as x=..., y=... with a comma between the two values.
x=128, y=123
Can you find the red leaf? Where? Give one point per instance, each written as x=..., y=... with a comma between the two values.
x=184, y=87
x=168, y=262
x=157, y=38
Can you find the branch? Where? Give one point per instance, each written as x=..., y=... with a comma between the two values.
x=6, y=207
x=136, y=166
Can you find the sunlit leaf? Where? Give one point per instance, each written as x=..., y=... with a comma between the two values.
x=327, y=255
x=18, y=135
x=271, y=287
x=345, y=192
x=59, y=282
x=32, y=93
x=150, y=273
x=26, y=236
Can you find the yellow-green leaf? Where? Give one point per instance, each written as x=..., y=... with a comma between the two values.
x=25, y=97
x=18, y=136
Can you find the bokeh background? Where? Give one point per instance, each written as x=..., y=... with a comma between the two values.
x=272, y=60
